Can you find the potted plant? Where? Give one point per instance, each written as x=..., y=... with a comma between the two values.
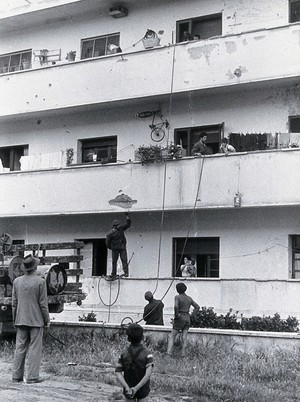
x=25, y=64
x=150, y=39
x=71, y=55
x=150, y=154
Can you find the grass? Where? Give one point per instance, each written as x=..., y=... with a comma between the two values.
x=210, y=373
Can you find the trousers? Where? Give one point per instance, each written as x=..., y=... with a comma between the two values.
x=29, y=341
x=123, y=255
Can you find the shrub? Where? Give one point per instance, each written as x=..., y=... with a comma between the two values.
x=90, y=317
x=206, y=317
x=272, y=324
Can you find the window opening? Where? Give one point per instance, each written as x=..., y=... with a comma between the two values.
x=206, y=27
x=187, y=137
x=10, y=156
x=294, y=10
x=102, y=150
x=295, y=256
x=15, y=61
x=204, y=251
x=99, y=46
x=294, y=123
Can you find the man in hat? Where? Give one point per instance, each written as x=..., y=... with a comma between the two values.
x=116, y=242
x=182, y=320
x=153, y=312
x=30, y=316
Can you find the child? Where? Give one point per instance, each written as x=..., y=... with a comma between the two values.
x=137, y=364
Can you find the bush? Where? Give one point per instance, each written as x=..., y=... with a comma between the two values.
x=206, y=317
x=90, y=317
x=272, y=324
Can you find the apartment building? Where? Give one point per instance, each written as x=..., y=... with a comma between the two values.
x=83, y=88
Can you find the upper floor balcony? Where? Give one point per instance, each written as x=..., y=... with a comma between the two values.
x=255, y=179
x=221, y=62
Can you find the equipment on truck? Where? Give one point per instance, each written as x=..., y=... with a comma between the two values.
x=60, y=270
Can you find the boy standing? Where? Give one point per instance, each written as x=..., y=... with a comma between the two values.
x=182, y=321
x=137, y=364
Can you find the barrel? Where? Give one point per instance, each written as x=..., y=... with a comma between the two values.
x=55, y=276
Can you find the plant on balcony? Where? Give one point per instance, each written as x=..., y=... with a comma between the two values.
x=150, y=154
x=70, y=156
x=71, y=55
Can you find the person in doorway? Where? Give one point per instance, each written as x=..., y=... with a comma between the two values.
x=186, y=268
x=182, y=321
x=116, y=242
x=194, y=269
x=226, y=148
x=135, y=367
x=153, y=312
x=200, y=148
x=30, y=316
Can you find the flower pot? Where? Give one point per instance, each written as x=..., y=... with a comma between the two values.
x=150, y=42
x=71, y=56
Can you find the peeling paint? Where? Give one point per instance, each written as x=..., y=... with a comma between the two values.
x=199, y=51
x=231, y=47
x=259, y=37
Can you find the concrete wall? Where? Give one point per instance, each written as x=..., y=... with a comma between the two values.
x=255, y=260
x=260, y=110
x=244, y=341
x=213, y=63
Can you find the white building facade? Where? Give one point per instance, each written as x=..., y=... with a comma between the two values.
x=236, y=215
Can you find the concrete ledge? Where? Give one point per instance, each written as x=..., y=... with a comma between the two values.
x=244, y=341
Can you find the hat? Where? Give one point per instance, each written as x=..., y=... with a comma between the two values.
x=148, y=295
x=116, y=223
x=30, y=263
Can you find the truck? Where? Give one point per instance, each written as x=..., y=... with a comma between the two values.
x=59, y=266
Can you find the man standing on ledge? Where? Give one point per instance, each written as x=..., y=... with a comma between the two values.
x=30, y=316
x=116, y=242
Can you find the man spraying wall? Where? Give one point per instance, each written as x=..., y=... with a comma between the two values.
x=116, y=242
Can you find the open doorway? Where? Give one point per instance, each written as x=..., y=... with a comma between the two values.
x=94, y=257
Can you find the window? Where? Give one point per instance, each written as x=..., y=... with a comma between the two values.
x=102, y=150
x=187, y=137
x=206, y=27
x=294, y=124
x=203, y=250
x=99, y=46
x=294, y=10
x=295, y=242
x=15, y=61
x=10, y=156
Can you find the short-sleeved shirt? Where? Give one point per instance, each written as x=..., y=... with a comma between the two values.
x=143, y=358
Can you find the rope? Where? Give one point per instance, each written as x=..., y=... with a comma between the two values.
x=185, y=241
x=165, y=174
x=99, y=295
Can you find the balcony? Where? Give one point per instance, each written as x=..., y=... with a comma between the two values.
x=258, y=179
x=222, y=62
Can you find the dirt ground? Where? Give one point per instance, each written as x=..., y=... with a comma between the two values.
x=60, y=389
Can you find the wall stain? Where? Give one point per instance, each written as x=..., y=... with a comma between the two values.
x=199, y=51
x=231, y=47
x=259, y=37
x=233, y=74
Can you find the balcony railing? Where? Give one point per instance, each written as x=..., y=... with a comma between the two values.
x=255, y=179
x=217, y=62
